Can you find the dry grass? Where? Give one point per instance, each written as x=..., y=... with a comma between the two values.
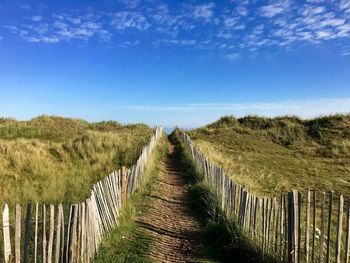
x=55, y=159
x=270, y=156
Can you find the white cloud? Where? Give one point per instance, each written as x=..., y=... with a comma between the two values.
x=204, y=11
x=241, y=10
x=344, y=4
x=275, y=23
x=232, y=56
x=11, y=28
x=302, y=108
x=180, y=42
x=42, y=39
x=37, y=18
x=231, y=21
x=25, y=7
x=274, y=9
x=315, y=1
x=130, y=3
x=332, y=22
x=124, y=20
x=127, y=44
x=64, y=27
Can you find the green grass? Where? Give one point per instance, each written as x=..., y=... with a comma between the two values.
x=273, y=155
x=54, y=159
x=223, y=239
x=124, y=244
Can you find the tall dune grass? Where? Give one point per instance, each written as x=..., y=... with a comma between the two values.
x=53, y=159
x=274, y=155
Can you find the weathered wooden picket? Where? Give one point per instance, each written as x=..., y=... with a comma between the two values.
x=281, y=226
x=76, y=238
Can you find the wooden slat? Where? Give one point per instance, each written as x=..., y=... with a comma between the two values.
x=339, y=229
x=63, y=259
x=281, y=239
x=277, y=227
x=296, y=224
x=266, y=237
x=290, y=227
x=58, y=234
x=43, y=218
x=347, y=239
x=36, y=233
x=269, y=216
x=330, y=208
x=307, y=226
x=263, y=225
x=285, y=227
x=51, y=232
x=322, y=227
x=69, y=223
x=313, y=253
x=18, y=234
x=256, y=207
x=73, y=236
x=27, y=234
x=6, y=233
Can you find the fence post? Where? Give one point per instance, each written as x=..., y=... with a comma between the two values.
x=347, y=240
x=123, y=185
x=330, y=205
x=18, y=235
x=27, y=233
x=294, y=199
x=6, y=233
x=307, y=235
x=340, y=229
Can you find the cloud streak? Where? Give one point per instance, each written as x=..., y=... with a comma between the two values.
x=303, y=108
x=218, y=26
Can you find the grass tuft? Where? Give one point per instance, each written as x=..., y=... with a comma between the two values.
x=54, y=159
x=273, y=155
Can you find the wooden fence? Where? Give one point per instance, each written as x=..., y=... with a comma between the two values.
x=314, y=227
x=45, y=237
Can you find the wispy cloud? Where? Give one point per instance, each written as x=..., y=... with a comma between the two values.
x=204, y=11
x=275, y=8
x=197, y=114
x=130, y=3
x=37, y=18
x=244, y=25
x=134, y=20
x=25, y=7
x=303, y=108
x=232, y=56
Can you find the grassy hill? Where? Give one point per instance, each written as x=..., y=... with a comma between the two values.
x=55, y=159
x=271, y=155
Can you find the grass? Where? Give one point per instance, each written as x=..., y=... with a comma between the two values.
x=54, y=159
x=224, y=240
x=273, y=155
x=124, y=244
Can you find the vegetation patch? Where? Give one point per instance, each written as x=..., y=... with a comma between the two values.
x=273, y=155
x=124, y=244
x=224, y=239
x=52, y=159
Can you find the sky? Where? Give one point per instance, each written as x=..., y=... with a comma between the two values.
x=170, y=63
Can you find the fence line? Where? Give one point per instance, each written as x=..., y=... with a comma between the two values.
x=281, y=227
x=77, y=239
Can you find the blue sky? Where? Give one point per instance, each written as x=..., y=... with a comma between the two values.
x=174, y=62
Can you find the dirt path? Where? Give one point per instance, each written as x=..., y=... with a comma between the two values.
x=168, y=221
